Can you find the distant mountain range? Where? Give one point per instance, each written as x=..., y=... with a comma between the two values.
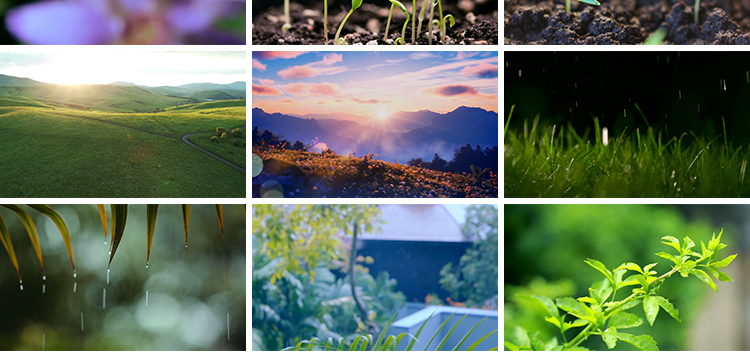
x=403, y=135
x=198, y=91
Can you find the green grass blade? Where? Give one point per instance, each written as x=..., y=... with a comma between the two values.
x=476, y=343
x=398, y=338
x=437, y=331
x=119, y=218
x=445, y=338
x=642, y=115
x=419, y=331
x=103, y=215
x=354, y=343
x=151, y=211
x=49, y=212
x=382, y=334
x=28, y=222
x=5, y=238
x=220, y=213
x=455, y=348
x=186, y=220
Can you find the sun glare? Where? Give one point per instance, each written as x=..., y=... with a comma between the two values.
x=382, y=114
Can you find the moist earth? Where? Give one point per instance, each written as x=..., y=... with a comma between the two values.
x=626, y=22
x=476, y=23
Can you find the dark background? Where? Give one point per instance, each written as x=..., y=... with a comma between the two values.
x=608, y=84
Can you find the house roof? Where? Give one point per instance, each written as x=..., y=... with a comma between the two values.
x=426, y=223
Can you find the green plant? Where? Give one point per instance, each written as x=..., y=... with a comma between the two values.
x=696, y=11
x=391, y=342
x=590, y=2
x=215, y=139
x=221, y=130
x=657, y=37
x=223, y=135
x=421, y=15
x=355, y=5
x=600, y=313
x=403, y=30
x=287, y=19
x=413, y=21
x=325, y=20
x=476, y=174
x=237, y=132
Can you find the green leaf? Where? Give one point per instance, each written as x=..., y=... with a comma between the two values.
x=437, y=331
x=610, y=337
x=642, y=342
x=718, y=274
x=510, y=346
x=591, y=2
x=672, y=242
x=713, y=244
x=575, y=324
x=186, y=220
x=151, y=211
x=220, y=213
x=536, y=344
x=667, y=306
x=630, y=281
x=647, y=269
x=668, y=256
x=555, y=321
x=445, y=338
x=624, y=320
x=573, y=307
x=480, y=340
x=587, y=299
x=601, y=268
x=686, y=268
x=400, y=6
x=103, y=215
x=5, y=238
x=630, y=266
x=55, y=217
x=419, y=331
x=453, y=23
x=651, y=308
x=356, y=4
x=703, y=276
x=687, y=243
x=545, y=301
x=724, y=263
x=28, y=222
x=119, y=218
x=466, y=336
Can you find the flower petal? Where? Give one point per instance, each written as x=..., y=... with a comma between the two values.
x=61, y=22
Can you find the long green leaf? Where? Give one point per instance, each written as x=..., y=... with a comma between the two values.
x=103, y=215
x=5, y=238
x=445, y=338
x=466, y=336
x=186, y=220
x=476, y=343
x=151, y=211
x=119, y=218
x=437, y=331
x=411, y=343
x=380, y=338
x=220, y=213
x=55, y=217
x=28, y=222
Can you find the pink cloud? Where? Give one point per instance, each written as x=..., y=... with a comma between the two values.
x=370, y=101
x=484, y=71
x=276, y=55
x=453, y=90
x=333, y=58
x=287, y=101
x=325, y=89
x=464, y=55
x=299, y=72
x=314, y=89
x=296, y=88
x=266, y=90
x=258, y=65
x=266, y=81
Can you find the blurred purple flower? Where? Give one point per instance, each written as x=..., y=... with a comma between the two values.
x=81, y=22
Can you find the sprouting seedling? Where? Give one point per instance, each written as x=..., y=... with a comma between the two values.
x=388, y=24
x=325, y=20
x=696, y=14
x=421, y=16
x=413, y=21
x=287, y=19
x=590, y=2
x=442, y=24
x=355, y=5
x=429, y=23
x=403, y=30
x=442, y=31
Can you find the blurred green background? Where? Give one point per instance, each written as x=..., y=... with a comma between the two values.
x=546, y=245
x=190, y=291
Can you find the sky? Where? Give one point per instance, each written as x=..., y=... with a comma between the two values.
x=373, y=84
x=457, y=211
x=149, y=68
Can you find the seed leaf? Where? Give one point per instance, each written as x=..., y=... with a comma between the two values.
x=28, y=222
x=151, y=211
x=400, y=5
x=356, y=4
x=591, y=2
x=55, y=217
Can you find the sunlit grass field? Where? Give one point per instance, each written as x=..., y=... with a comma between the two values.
x=557, y=161
x=224, y=148
x=57, y=152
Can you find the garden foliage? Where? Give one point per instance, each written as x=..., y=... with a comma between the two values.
x=602, y=314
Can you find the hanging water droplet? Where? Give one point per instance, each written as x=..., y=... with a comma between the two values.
x=81, y=321
x=147, y=265
x=227, y=325
x=146, y=298
x=185, y=246
x=44, y=288
x=44, y=277
x=107, y=276
x=74, y=274
x=104, y=299
x=20, y=284
x=75, y=285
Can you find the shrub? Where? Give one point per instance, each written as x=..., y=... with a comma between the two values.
x=236, y=142
x=223, y=135
x=214, y=139
x=237, y=132
x=221, y=130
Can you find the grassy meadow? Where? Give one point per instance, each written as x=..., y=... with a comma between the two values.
x=557, y=161
x=49, y=150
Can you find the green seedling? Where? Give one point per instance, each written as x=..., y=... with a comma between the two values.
x=452, y=21
x=388, y=24
x=287, y=19
x=355, y=5
x=401, y=6
x=697, y=11
x=442, y=25
x=413, y=21
x=325, y=20
x=421, y=15
x=657, y=37
x=429, y=23
x=590, y=2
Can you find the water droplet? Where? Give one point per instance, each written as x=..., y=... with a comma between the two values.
x=104, y=299
x=107, y=276
x=74, y=274
x=227, y=325
x=44, y=288
x=185, y=246
x=44, y=277
x=81, y=321
x=147, y=265
x=146, y=298
x=75, y=285
x=20, y=284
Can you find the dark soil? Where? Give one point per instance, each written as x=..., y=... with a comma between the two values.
x=476, y=23
x=626, y=22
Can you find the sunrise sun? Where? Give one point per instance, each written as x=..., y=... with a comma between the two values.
x=382, y=114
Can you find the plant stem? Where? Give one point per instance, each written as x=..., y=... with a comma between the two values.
x=336, y=39
x=403, y=30
x=442, y=23
x=567, y=6
x=429, y=24
x=287, y=18
x=325, y=20
x=413, y=21
x=583, y=335
x=390, y=14
x=697, y=11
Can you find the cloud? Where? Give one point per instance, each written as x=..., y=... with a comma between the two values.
x=422, y=55
x=266, y=81
x=464, y=55
x=299, y=72
x=266, y=90
x=370, y=101
x=484, y=71
x=314, y=89
x=325, y=89
x=333, y=58
x=296, y=88
x=258, y=65
x=453, y=90
x=277, y=55
x=287, y=101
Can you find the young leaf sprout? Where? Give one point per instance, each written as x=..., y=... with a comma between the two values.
x=421, y=16
x=446, y=18
x=442, y=24
x=355, y=5
x=429, y=23
x=590, y=2
x=388, y=24
x=413, y=21
x=403, y=30
x=325, y=20
x=287, y=20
